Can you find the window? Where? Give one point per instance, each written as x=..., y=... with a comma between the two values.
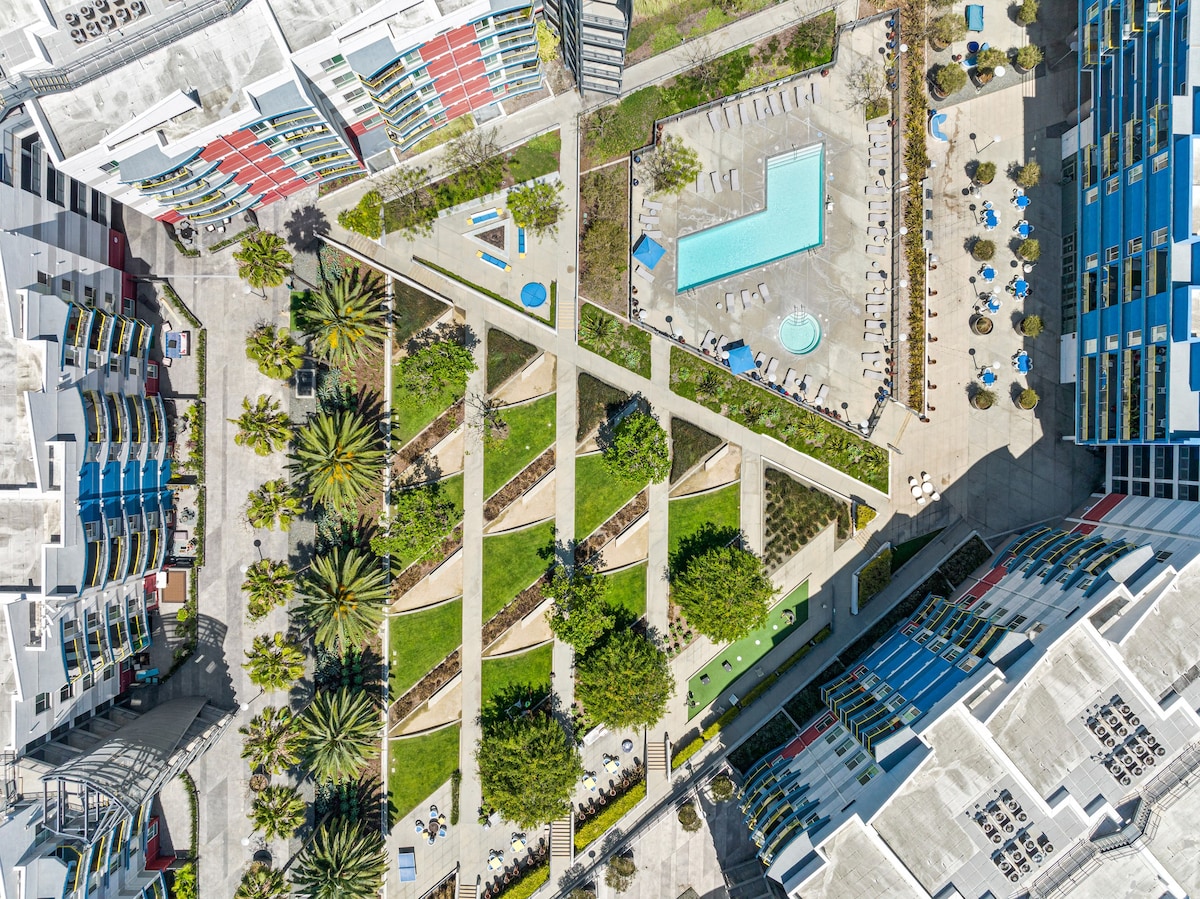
x=1159, y=237
x=31, y=164
x=365, y=107
x=333, y=62
x=1112, y=342
x=1091, y=261
x=41, y=703
x=1090, y=346
x=78, y=197
x=1111, y=186
x=1093, y=194
x=109, y=167
x=1159, y=162
x=1135, y=174
x=1112, y=254
x=99, y=207
x=67, y=287
x=1189, y=463
x=259, y=127
x=1158, y=333
x=373, y=121
x=344, y=79
x=1133, y=246
x=844, y=746
x=66, y=692
x=56, y=185
x=354, y=95
x=43, y=279
x=1134, y=337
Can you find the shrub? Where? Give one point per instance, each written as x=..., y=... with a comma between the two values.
x=1029, y=175
x=950, y=79
x=620, y=874
x=1029, y=57
x=863, y=516
x=875, y=575
x=689, y=817
x=722, y=788
x=1027, y=12
x=983, y=399
x=531, y=881
x=983, y=250
x=947, y=29
x=987, y=60
x=1032, y=325
x=1028, y=398
x=985, y=172
x=686, y=752
x=1030, y=249
x=594, y=828
x=366, y=218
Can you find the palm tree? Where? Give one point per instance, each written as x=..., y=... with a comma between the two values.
x=272, y=505
x=272, y=740
x=342, y=598
x=341, y=734
x=340, y=456
x=262, y=882
x=262, y=426
x=346, y=320
x=342, y=862
x=269, y=584
x=264, y=260
x=278, y=811
x=273, y=663
x=277, y=354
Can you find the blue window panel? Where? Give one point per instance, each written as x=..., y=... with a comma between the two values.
x=1194, y=366
x=1110, y=320
x=1181, y=170
x=1135, y=204
x=1110, y=223
x=1158, y=310
x=1089, y=325
x=1132, y=316
x=1180, y=314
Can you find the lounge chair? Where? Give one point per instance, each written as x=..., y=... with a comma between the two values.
x=871, y=337
x=880, y=153
x=821, y=395
x=776, y=104
x=804, y=384
x=644, y=274
x=772, y=367
x=648, y=219
x=761, y=109
x=715, y=177
x=801, y=95
x=720, y=344
x=880, y=140
x=789, y=381
x=877, y=232
x=877, y=309
x=655, y=234
x=709, y=336
x=760, y=360
x=735, y=182
x=745, y=299
x=816, y=93
x=731, y=116
x=651, y=205
x=764, y=293
x=877, y=127
x=744, y=114
x=876, y=276
x=879, y=205
x=701, y=183
x=714, y=119
x=875, y=326
x=872, y=358
x=728, y=302
x=876, y=250
x=874, y=375
x=787, y=101
x=877, y=191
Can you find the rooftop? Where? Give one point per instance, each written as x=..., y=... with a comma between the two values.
x=20, y=370
x=1175, y=843
x=1165, y=644
x=858, y=868
x=26, y=525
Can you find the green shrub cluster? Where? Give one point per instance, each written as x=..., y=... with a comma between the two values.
x=874, y=576
x=685, y=752
x=616, y=809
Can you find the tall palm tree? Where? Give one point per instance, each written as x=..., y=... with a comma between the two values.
x=341, y=862
x=272, y=740
x=268, y=584
x=341, y=734
x=262, y=882
x=263, y=260
x=342, y=598
x=346, y=320
x=278, y=811
x=273, y=663
x=340, y=457
x=272, y=505
x=262, y=426
x=277, y=354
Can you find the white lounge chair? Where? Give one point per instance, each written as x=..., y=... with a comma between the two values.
x=872, y=358
x=821, y=394
x=720, y=344
x=715, y=177
x=877, y=232
x=876, y=250
x=643, y=273
x=801, y=95
x=764, y=293
x=877, y=127
x=731, y=116
x=651, y=205
x=761, y=109
x=875, y=326
x=745, y=299
x=776, y=104
x=877, y=191
x=878, y=205
x=744, y=113
x=728, y=302
x=772, y=368
x=787, y=101
x=701, y=183
x=871, y=337
x=655, y=234
x=877, y=309
x=816, y=94
x=874, y=375
x=735, y=182
x=876, y=276
x=648, y=219
x=709, y=338
x=789, y=381
x=714, y=119
x=760, y=360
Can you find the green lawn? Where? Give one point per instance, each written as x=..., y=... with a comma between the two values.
x=503, y=678
x=411, y=417
x=530, y=432
x=511, y=562
x=420, y=640
x=686, y=516
x=745, y=653
x=418, y=766
x=413, y=311
x=506, y=355
x=909, y=548
x=598, y=495
x=536, y=157
x=627, y=589
x=452, y=489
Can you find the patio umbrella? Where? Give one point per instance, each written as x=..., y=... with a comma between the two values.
x=1020, y=286
x=989, y=273
x=741, y=359
x=648, y=251
x=1022, y=202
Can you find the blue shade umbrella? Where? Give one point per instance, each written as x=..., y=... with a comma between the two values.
x=990, y=219
x=993, y=305
x=648, y=251
x=1022, y=202
x=1023, y=363
x=533, y=295
x=1020, y=286
x=989, y=378
x=989, y=273
x=741, y=359
x=1024, y=230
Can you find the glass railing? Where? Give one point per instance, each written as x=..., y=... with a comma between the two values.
x=152, y=184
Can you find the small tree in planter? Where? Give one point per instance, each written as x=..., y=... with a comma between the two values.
x=722, y=788
x=1030, y=249
x=986, y=63
x=981, y=325
x=689, y=817
x=948, y=80
x=985, y=172
x=620, y=873
x=1028, y=58
x=1027, y=13
x=945, y=30
x=1032, y=325
x=1029, y=175
x=1027, y=398
x=983, y=250
x=983, y=398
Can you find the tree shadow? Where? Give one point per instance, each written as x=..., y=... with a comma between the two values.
x=350, y=802
x=708, y=536
x=443, y=332
x=305, y=227
x=516, y=701
x=357, y=670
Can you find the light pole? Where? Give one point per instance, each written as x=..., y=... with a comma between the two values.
x=978, y=149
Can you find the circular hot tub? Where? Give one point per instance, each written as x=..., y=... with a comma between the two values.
x=800, y=333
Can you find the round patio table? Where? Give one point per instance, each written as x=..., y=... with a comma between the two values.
x=916, y=491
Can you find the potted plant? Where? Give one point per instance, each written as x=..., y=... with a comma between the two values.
x=1027, y=399
x=722, y=788
x=983, y=398
x=948, y=79
x=981, y=325
x=688, y=817
x=258, y=782
x=985, y=172
x=983, y=249
x=1030, y=249
x=1031, y=326
x=1028, y=58
x=946, y=29
x=1029, y=175
x=1027, y=13
x=986, y=63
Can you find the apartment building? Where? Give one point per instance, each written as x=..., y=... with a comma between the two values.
x=1130, y=173
x=594, y=34
x=1033, y=734
x=201, y=110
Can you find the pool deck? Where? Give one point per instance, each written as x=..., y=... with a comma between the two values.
x=828, y=281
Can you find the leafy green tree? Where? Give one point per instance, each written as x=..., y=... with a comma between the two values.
x=528, y=768
x=342, y=597
x=343, y=861
x=473, y=159
x=278, y=811
x=183, y=882
x=986, y=61
x=985, y=172
x=436, y=368
x=366, y=217
x=274, y=663
x=1030, y=249
x=620, y=873
x=419, y=519
x=341, y=734
x=272, y=740
x=537, y=206
x=1029, y=175
x=268, y=585
x=262, y=882
x=346, y=319
x=410, y=209
x=263, y=260
x=548, y=43
x=724, y=592
x=1028, y=398
x=580, y=616
x=950, y=79
x=983, y=250
x=625, y=681
x=1032, y=325
x=1027, y=13
x=339, y=456
x=638, y=450
x=946, y=29
x=672, y=166
x=277, y=354
x=273, y=505
x=262, y=426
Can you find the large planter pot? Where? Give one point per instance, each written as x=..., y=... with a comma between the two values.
x=258, y=782
x=980, y=401
x=1017, y=402
x=981, y=325
x=982, y=79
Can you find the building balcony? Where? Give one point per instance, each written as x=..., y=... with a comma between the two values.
x=291, y=120
x=155, y=185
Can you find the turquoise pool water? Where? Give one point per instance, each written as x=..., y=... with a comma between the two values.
x=800, y=333
x=794, y=220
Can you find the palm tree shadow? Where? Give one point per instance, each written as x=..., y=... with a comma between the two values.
x=305, y=227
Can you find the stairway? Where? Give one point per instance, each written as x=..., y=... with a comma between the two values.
x=656, y=755
x=467, y=890
x=561, y=839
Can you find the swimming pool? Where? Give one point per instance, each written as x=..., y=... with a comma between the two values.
x=793, y=221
